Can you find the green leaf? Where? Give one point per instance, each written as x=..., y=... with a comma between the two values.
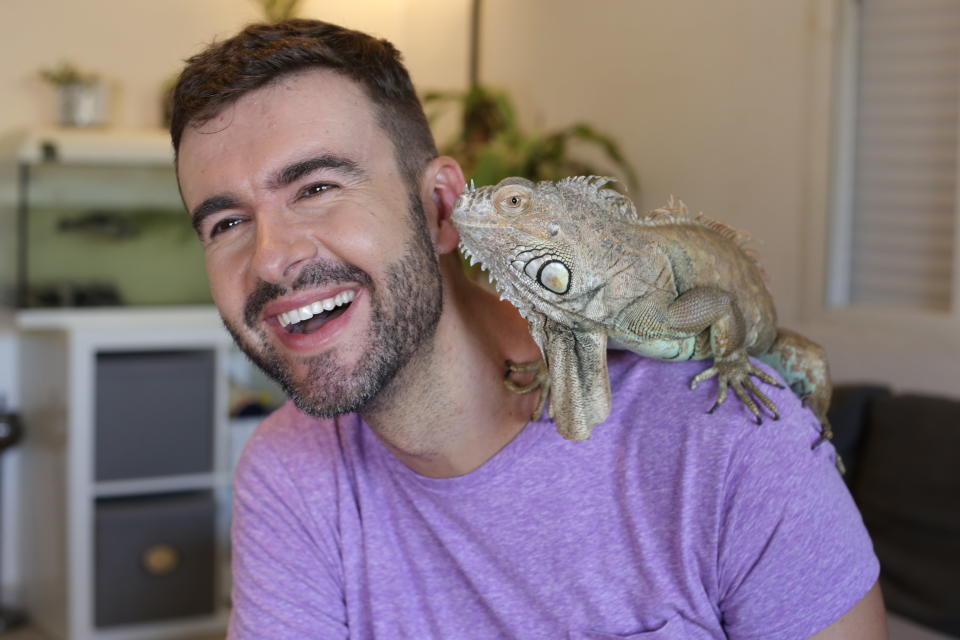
x=491, y=146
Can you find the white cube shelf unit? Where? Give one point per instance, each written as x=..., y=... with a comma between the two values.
x=126, y=472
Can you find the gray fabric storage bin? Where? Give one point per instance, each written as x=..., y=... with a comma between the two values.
x=155, y=558
x=154, y=414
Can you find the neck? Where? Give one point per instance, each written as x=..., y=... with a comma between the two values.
x=447, y=411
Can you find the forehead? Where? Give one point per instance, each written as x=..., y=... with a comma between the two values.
x=301, y=113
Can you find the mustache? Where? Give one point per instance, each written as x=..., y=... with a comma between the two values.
x=312, y=275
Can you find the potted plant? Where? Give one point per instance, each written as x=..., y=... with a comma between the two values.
x=491, y=146
x=82, y=95
x=279, y=10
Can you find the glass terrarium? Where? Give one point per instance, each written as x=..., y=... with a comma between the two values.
x=99, y=222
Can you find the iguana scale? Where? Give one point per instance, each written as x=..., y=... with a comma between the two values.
x=582, y=266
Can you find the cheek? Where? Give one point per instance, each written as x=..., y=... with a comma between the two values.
x=226, y=280
x=370, y=238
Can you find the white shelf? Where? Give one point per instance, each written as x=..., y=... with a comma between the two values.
x=59, y=351
x=147, y=486
x=141, y=147
x=201, y=317
x=131, y=328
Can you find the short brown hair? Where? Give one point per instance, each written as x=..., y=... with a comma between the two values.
x=262, y=53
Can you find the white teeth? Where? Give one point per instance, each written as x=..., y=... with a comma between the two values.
x=308, y=311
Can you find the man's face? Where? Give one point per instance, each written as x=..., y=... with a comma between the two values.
x=318, y=255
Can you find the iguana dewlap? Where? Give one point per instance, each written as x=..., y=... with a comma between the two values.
x=581, y=266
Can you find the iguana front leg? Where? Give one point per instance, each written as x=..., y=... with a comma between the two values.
x=735, y=371
x=677, y=329
x=541, y=381
x=714, y=309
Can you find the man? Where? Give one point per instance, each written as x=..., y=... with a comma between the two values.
x=404, y=493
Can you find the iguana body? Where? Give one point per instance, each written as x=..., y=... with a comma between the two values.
x=581, y=266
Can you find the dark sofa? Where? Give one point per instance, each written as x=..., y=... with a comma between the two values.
x=902, y=453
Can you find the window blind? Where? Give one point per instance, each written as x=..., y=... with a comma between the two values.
x=905, y=175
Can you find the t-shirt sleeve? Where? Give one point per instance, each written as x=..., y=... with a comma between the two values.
x=794, y=555
x=286, y=577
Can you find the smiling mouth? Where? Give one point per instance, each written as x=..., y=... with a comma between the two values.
x=311, y=317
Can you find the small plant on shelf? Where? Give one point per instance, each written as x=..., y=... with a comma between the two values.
x=82, y=95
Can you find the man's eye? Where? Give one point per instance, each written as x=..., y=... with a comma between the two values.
x=223, y=225
x=315, y=189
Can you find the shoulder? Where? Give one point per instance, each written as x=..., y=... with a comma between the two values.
x=724, y=456
x=290, y=450
x=659, y=392
x=286, y=435
x=785, y=533
x=661, y=428
x=285, y=543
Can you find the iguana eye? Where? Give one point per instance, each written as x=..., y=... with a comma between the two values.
x=512, y=199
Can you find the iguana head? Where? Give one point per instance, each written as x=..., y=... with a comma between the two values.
x=547, y=245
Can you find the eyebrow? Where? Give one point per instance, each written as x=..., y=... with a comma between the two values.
x=286, y=176
x=293, y=172
x=210, y=206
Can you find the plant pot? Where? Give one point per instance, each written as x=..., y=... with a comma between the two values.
x=82, y=104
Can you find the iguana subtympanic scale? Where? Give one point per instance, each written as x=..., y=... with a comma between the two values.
x=581, y=265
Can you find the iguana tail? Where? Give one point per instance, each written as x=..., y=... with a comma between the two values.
x=803, y=365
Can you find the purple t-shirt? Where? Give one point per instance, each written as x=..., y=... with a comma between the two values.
x=668, y=523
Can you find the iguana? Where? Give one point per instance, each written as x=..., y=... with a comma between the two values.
x=582, y=266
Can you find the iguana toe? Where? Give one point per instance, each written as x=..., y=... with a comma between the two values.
x=705, y=375
x=540, y=381
x=738, y=388
x=759, y=395
x=721, y=395
x=735, y=372
x=525, y=367
x=513, y=368
x=763, y=375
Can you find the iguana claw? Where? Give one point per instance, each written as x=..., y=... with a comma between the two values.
x=541, y=380
x=735, y=372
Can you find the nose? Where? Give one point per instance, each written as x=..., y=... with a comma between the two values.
x=281, y=249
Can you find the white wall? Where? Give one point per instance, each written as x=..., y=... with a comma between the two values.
x=138, y=44
x=729, y=106
x=706, y=97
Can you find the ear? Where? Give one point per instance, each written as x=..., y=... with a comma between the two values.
x=441, y=185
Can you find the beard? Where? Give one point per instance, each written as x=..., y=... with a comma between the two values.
x=404, y=312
